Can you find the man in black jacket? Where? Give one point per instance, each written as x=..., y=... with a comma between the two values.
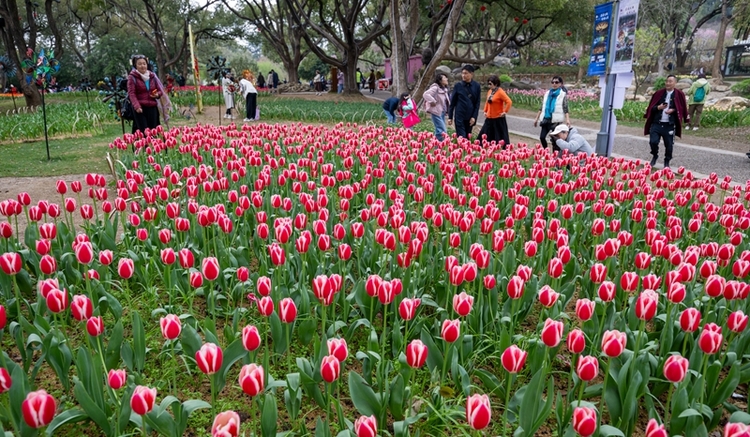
x=465, y=100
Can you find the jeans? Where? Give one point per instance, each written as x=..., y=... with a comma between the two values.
x=440, y=129
x=341, y=88
x=391, y=117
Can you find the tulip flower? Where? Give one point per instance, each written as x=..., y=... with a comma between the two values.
x=737, y=321
x=714, y=286
x=57, y=300
x=252, y=379
x=584, y=421
x=552, y=332
x=196, y=279
x=366, y=426
x=653, y=429
x=116, y=378
x=265, y=306
x=95, y=326
x=125, y=268
x=3, y=317
x=478, y=411
x=710, y=340
x=408, y=308
x=585, y=309
x=38, y=409
x=210, y=268
x=587, y=368
x=338, y=348
x=607, y=291
x=5, y=380
x=168, y=257
x=143, y=399
x=576, y=341
x=186, y=258
x=515, y=287
x=209, y=358
x=171, y=327
x=416, y=354
x=81, y=307
x=675, y=368
x=598, y=273
x=451, y=330
x=690, y=319
x=736, y=430
x=547, y=296
x=462, y=304
x=287, y=310
x=226, y=424
x=330, y=368
x=613, y=343
x=10, y=263
x=489, y=282
x=646, y=304
x=513, y=359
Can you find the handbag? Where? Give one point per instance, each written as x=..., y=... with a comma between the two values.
x=411, y=119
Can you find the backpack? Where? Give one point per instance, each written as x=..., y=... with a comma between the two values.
x=700, y=94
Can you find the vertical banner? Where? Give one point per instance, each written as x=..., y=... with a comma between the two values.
x=196, y=73
x=627, y=15
x=600, y=42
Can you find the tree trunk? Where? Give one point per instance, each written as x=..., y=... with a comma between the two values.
x=30, y=93
x=719, y=51
x=350, y=71
x=399, y=59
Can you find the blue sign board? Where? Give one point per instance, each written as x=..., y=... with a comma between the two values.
x=600, y=43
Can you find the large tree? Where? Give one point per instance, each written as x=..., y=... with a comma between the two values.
x=21, y=28
x=273, y=20
x=339, y=31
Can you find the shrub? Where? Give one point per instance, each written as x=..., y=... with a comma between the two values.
x=504, y=78
x=660, y=83
x=742, y=88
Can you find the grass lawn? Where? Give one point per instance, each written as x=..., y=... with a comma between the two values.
x=84, y=154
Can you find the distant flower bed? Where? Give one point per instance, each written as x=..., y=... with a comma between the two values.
x=574, y=95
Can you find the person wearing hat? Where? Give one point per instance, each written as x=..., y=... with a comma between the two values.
x=464, y=107
x=569, y=139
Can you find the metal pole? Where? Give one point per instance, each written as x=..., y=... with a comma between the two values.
x=44, y=115
x=602, y=137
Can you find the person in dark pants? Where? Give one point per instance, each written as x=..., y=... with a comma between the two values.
x=145, y=92
x=554, y=111
x=389, y=108
x=465, y=100
x=664, y=116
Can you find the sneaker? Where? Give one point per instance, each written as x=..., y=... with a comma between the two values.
x=653, y=161
x=232, y=117
x=695, y=128
x=246, y=120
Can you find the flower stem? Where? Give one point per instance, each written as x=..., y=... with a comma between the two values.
x=668, y=410
x=507, y=402
x=603, y=405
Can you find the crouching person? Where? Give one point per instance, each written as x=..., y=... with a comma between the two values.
x=570, y=140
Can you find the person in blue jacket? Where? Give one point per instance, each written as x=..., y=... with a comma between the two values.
x=465, y=101
x=389, y=107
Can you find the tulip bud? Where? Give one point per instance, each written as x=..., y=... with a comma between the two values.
x=690, y=320
x=95, y=326
x=584, y=421
x=143, y=399
x=81, y=308
x=587, y=368
x=451, y=330
x=513, y=359
x=287, y=310
x=416, y=354
x=330, y=368
x=38, y=409
x=736, y=430
x=252, y=379
x=209, y=358
x=171, y=327
x=10, y=263
x=675, y=368
x=613, y=343
x=337, y=347
x=196, y=279
x=576, y=341
x=265, y=306
x=408, y=308
x=125, y=268
x=585, y=309
x=737, y=321
x=653, y=429
x=710, y=340
x=462, y=304
x=5, y=380
x=547, y=296
x=226, y=424
x=552, y=332
x=645, y=305
x=57, y=300
x=116, y=378
x=366, y=426
x=515, y=287
x=210, y=268
x=478, y=411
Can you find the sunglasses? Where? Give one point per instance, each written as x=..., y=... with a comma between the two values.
x=555, y=82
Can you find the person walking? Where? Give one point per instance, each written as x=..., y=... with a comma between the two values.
x=275, y=77
x=147, y=95
x=318, y=82
x=697, y=98
x=261, y=82
x=464, y=103
x=436, y=103
x=340, y=80
x=554, y=111
x=371, y=82
x=360, y=79
x=497, y=105
x=228, y=88
x=250, y=94
x=569, y=139
x=664, y=116
x=389, y=107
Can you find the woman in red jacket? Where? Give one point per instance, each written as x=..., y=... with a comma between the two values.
x=147, y=95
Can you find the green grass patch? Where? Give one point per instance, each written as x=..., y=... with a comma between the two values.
x=79, y=155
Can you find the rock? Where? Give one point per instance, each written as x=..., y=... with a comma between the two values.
x=682, y=85
x=443, y=69
x=636, y=97
x=294, y=88
x=716, y=81
x=501, y=61
x=686, y=80
x=719, y=88
x=522, y=85
x=651, y=78
x=729, y=103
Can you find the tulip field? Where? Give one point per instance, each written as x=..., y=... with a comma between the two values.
x=349, y=280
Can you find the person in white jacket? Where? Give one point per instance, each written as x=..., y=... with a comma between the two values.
x=250, y=94
x=436, y=103
x=228, y=88
x=569, y=139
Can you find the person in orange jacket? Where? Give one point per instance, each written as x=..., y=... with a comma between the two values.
x=495, y=107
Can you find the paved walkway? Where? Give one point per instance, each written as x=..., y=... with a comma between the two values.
x=698, y=159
